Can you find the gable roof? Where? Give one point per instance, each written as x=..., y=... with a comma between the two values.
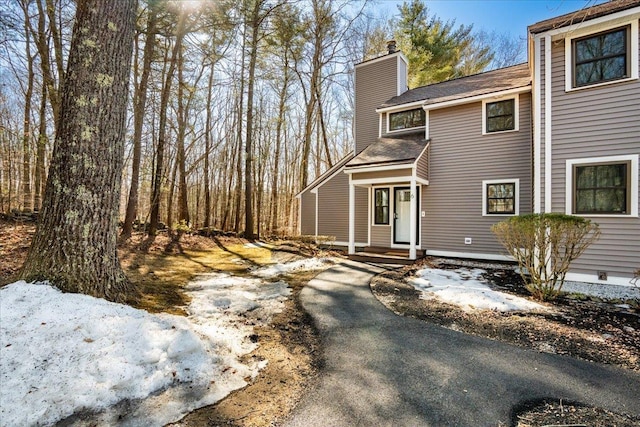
x=327, y=174
x=389, y=151
x=583, y=15
x=488, y=82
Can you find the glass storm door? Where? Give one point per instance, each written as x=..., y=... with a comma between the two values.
x=401, y=215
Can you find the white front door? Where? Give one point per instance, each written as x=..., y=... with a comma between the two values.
x=401, y=215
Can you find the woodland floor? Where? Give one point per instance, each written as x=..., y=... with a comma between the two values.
x=586, y=328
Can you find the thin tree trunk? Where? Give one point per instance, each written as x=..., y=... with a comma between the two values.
x=45, y=62
x=27, y=205
x=238, y=189
x=140, y=101
x=248, y=188
x=41, y=177
x=162, y=131
x=207, y=152
x=183, y=207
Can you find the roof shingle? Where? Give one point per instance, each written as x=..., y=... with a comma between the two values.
x=465, y=87
x=386, y=151
x=583, y=15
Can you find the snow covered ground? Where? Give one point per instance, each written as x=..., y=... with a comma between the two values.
x=465, y=287
x=64, y=354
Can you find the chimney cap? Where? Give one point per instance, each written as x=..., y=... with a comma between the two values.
x=391, y=46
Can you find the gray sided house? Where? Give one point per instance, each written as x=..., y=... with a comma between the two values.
x=434, y=167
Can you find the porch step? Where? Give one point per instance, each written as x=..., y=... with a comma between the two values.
x=392, y=251
x=385, y=256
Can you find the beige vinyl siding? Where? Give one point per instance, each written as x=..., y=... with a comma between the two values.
x=308, y=213
x=333, y=209
x=461, y=158
x=362, y=215
x=384, y=174
x=596, y=122
x=423, y=165
x=381, y=236
x=375, y=83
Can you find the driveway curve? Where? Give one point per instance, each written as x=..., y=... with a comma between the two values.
x=385, y=370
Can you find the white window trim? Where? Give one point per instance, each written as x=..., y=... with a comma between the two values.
x=584, y=32
x=516, y=114
x=388, y=114
x=516, y=201
x=633, y=159
x=373, y=205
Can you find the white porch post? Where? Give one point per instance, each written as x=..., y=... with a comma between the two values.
x=352, y=217
x=413, y=220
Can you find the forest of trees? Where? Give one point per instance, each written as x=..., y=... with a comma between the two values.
x=234, y=106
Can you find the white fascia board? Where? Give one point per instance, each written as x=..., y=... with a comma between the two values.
x=375, y=181
x=329, y=178
x=361, y=169
x=400, y=107
x=492, y=95
x=424, y=150
x=583, y=25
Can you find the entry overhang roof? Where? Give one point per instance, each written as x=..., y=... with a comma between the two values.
x=387, y=152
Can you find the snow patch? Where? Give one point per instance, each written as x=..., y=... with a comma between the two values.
x=303, y=264
x=465, y=287
x=68, y=353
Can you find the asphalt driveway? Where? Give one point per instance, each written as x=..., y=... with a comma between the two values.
x=385, y=370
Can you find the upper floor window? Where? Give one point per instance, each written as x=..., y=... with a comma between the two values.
x=601, y=54
x=407, y=119
x=601, y=57
x=500, y=116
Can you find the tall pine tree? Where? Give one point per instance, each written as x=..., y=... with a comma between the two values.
x=75, y=243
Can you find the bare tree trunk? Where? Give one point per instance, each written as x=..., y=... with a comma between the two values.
x=75, y=243
x=41, y=177
x=162, y=131
x=248, y=186
x=323, y=128
x=45, y=59
x=140, y=101
x=238, y=189
x=183, y=207
x=207, y=153
x=27, y=205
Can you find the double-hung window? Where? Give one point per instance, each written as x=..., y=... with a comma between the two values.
x=602, y=186
x=381, y=206
x=500, y=197
x=602, y=57
x=500, y=116
x=601, y=189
